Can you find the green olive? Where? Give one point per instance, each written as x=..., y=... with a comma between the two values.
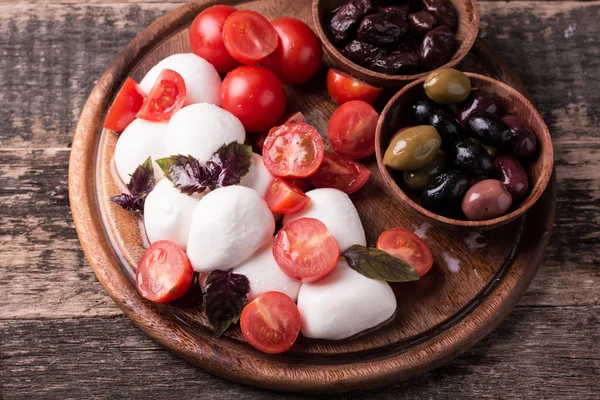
x=492, y=151
x=417, y=179
x=412, y=148
x=447, y=86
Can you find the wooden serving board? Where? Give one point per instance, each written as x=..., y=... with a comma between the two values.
x=438, y=317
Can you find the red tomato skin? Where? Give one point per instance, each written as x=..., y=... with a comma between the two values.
x=285, y=198
x=424, y=261
x=255, y=96
x=351, y=129
x=340, y=173
x=298, y=55
x=344, y=88
x=282, y=311
x=249, y=28
x=289, y=118
x=124, y=108
x=166, y=97
x=206, y=37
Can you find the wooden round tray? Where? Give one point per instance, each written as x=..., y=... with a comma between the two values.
x=438, y=317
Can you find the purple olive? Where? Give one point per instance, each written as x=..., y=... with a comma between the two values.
x=421, y=22
x=346, y=18
x=437, y=47
x=443, y=11
x=512, y=174
x=396, y=8
x=396, y=63
x=477, y=101
x=485, y=200
x=362, y=53
x=382, y=29
x=524, y=141
x=407, y=44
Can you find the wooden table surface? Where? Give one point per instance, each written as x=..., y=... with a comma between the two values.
x=61, y=336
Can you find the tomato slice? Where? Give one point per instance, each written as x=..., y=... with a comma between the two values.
x=284, y=198
x=293, y=151
x=165, y=98
x=290, y=118
x=343, y=88
x=340, y=173
x=305, y=250
x=164, y=272
x=249, y=37
x=351, y=129
x=128, y=102
x=271, y=322
x=407, y=246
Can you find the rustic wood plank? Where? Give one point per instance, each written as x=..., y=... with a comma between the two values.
x=108, y=357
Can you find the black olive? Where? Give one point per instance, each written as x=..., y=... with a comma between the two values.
x=443, y=11
x=396, y=63
x=362, y=53
x=488, y=129
x=346, y=18
x=408, y=44
x=421, y=22
x=447, y=126
x=437, y=47
x=477, y=101
x=424, y=109
x=470, y=156
x=382, y=28
x=444, y=193
x=401, y=9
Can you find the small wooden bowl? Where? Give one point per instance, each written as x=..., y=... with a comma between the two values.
x=539, y=169
x=466, y=33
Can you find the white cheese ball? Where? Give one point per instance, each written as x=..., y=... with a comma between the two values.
x=344, y=304
x=168, y=213
x=264, y=274
x=200, y=129
x=228, y=226
x=258, y=178
x=138, y=141
x=335, y=209
x=202, y=81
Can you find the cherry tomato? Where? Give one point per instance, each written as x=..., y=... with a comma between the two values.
x=351, y=129
x=128, y=102
x=301, y=183
x=305, y=250
x=249, y=37
x=298, y=55
x=290, y=118
x=254, y=95
x=164, y=272
x=271, y=322
x=165, y=98
x=340, y=173
x=206, y=37
x=293, y=151
x=407, y=246
x=284, y=198
x=343, y=88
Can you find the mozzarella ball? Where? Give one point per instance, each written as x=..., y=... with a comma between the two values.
x=258, y=178
x=344, y=304
x=264, y=274
x=168, y=213
x=335, y=209
x=200, y=129
x=202, y=81
x=140, y=140
x=228, y=226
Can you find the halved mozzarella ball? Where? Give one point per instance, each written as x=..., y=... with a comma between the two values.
x=202, y=81
x=344, y=304
x=265, y=275
x=200, y=129
x=168, y=213
x=228, y=226
x=138, y=141
x=335, y=209
x=258, y=178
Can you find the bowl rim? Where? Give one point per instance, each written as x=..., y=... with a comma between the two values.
x=546, y=155
x=397, y=79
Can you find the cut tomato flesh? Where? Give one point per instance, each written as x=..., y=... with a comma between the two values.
x=165, y=98
x=407, y=246
x=284, y=198
x=124, y=108
x=340, y=173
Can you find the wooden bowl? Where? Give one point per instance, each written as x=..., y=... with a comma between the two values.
x=511, y=101
x=466, y=33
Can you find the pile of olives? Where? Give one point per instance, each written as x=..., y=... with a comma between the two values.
x=464, y=163
x=397, y=37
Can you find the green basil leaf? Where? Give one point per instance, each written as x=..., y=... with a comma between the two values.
x=377, y=264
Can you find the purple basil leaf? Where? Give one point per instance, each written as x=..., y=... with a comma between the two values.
x=126, y=201
x=229, y=164
x=142, y=179
x=225, y=297
x=185, y=172
x=377, y=264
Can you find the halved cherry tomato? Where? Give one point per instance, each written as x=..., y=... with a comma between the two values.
x=407, y=246
x=351, y=129
x=293, y=151
x=305, y=250
x=128, y=102
x=340, y=173
x=298, y=55
x=164, y=272
x=271, y=322
x=284, y=198
x=301, y=183
x=165, y=98
x=343, y=88
x=290, y=118
x=249, y=37
x=206, y=37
